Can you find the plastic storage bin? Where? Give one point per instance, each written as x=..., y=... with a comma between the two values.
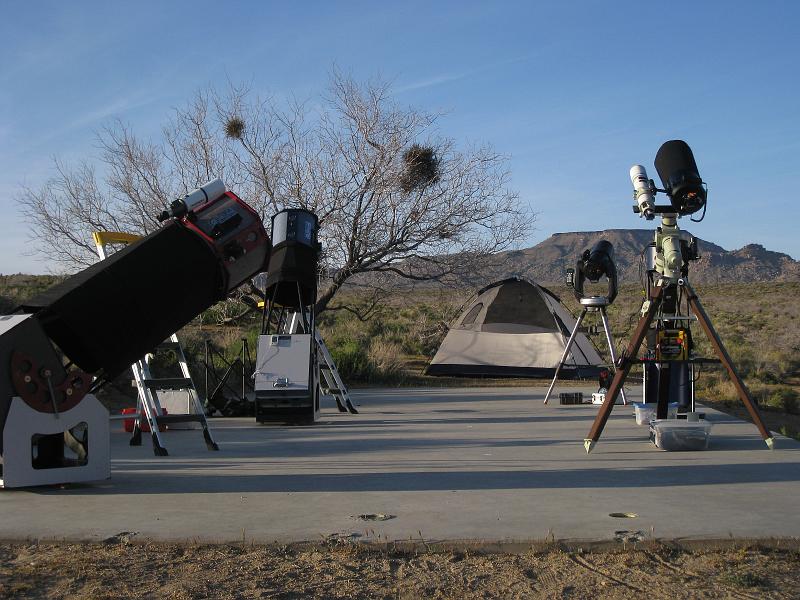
x=674, y=434
x=646, y=411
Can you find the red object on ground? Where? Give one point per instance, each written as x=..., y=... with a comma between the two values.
x=145, y=425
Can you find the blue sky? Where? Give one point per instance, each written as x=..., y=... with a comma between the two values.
x=574, y=93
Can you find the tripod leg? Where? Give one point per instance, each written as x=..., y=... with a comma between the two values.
x=611, y=350
x=565, y=354
x=626, y=362
x=722, y=353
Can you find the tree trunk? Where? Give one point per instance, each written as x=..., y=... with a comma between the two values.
x=324, y=299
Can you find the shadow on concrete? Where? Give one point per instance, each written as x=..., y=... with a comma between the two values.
x=409, y=396
x=244, y=450
x=450, y=420
x=197, y=480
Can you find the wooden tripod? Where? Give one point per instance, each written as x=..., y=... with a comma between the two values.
x=628, y=359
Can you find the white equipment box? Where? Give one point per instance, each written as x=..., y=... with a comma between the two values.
x=286, y=379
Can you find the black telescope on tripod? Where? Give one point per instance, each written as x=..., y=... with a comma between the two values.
x=593, y=265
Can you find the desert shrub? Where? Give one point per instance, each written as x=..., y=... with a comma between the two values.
x=423, y=337
x=6, y=305
x=717, y=390
x=785, y=399
x=426, y=325
x=741, y=352
x=790, y=362
x=416, y=326
x=723, y=390
x=744, y=579
x=352, y=360
x=386, y=359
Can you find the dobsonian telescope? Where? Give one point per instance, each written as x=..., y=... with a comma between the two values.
x=64, y=344
x=668, y=289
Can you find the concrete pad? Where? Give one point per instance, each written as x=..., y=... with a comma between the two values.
x=445, y=464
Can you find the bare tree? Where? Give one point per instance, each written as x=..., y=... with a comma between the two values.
x=394, y=198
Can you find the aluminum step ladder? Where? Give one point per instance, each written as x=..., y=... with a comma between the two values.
x=148, y=404
x=331, y=382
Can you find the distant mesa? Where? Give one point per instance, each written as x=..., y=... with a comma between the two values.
x=548, y=260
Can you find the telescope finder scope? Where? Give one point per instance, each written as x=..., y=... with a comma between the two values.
x=643, y=192
x=205, y=193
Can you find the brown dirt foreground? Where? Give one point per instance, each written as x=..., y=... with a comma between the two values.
x=118, y=569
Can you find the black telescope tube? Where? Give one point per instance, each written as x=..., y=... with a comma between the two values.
x=680, y=177
x=593, y=265
x=292, y=272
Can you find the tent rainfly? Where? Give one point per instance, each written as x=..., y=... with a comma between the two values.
x=514, y=328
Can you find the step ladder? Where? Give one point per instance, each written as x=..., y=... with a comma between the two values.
x=148, y=404
x=330, y=382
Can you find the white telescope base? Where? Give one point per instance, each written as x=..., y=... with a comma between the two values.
x=23, y=423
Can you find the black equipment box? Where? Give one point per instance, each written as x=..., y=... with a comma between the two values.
x=570, y=398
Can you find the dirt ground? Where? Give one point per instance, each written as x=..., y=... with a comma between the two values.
x=120, y=568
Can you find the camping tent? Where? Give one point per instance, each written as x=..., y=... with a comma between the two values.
x=514, y=328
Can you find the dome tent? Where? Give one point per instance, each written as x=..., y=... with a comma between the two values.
x=514, y=328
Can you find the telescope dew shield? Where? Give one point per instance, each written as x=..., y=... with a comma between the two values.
x=292, y=273
x=115, y=311
x=679, y=175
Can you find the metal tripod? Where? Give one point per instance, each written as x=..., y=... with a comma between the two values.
x=590, y=304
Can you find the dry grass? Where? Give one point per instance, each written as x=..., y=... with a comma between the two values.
x=657, y=571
